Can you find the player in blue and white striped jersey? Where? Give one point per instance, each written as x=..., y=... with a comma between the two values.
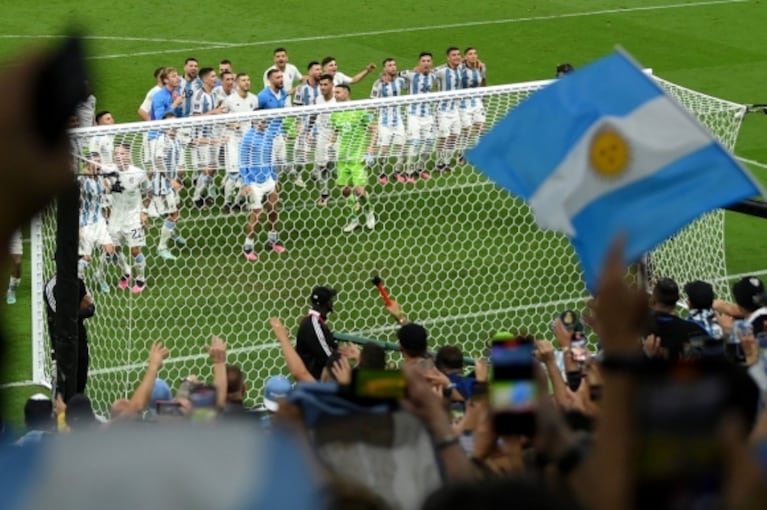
x=472, y=110
x=207, y=145
x=93, y=227
x=168, y=167
x=189, y=84
x=420, y=118
x=391, y=122
x=306, y=94
x=104, y=145
x=449, y=78
x=325, y=153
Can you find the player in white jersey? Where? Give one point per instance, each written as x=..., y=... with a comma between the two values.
x=472, y=110
x=225, y=87
x=207, y=145
x=189, y=84
x=330, y=66
x=242, y=101
x=449, y=79
x=420, y=118
x=86, y=111
x=104, y=146
x=291, y=76
x=306, y=94
x=391, y=122
x=93, y=226
x=324, y=152
x=126, y=224
x=165, y=178
x=16, y=251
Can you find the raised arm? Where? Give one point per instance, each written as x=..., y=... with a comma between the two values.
x=217, y=352
x=292, y=359
x=142, y=395
x=362, y=74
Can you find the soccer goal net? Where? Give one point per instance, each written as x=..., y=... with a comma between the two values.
x=462, y=256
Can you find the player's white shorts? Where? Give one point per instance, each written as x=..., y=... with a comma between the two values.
x=16, y=247
x=147, y=149
x=162, y=205
x=420, y=128
x=448, y=123
x=258, y=193
x=129, y=234
x=325, y=151
x=472, y=115
x=279, y=150
x=232, y=154
x=205, y=156
x=391, y=135
x=93, y=236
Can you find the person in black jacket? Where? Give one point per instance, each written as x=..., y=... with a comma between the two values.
x=315, y=342
x=87, y=309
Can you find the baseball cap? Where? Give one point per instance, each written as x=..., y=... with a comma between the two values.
x=748, y=292
x=80, y=411
x=700, y=294
x=277, y=387
x=322, y=295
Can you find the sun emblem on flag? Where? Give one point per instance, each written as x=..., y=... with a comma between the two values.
x=609, y=152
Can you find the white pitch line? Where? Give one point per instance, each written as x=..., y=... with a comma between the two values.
x=18, y=384
x=752, y=162
x=426, y=28
x=114, y=38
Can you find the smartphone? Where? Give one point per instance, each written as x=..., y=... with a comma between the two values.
x=579, y=350
x=168, y=408
x=203, y=400
x=513, y=389
x=379, y=384
x=677, y=457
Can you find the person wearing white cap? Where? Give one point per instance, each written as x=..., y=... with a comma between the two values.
x=38, y=419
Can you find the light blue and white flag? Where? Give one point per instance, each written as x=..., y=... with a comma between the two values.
x=604, y=151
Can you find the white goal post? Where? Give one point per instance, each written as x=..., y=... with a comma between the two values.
x=462, y=256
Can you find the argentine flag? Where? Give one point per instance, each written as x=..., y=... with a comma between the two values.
x=604, y=151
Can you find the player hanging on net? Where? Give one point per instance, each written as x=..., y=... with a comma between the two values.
x=126, y=223
x=473, y=75
x=449, y=78
x=241, y=101
x=260, y=186
x=353, y=130
x=167, y=171
x=93, y=226
x=420, y=119
x=391, y=122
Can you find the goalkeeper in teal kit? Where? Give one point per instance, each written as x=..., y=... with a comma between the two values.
x=353, y=137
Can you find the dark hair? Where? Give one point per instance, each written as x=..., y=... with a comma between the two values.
x=563, y=69
x=240, y=75
x=387, y=60
x=452, y=49
x=205, y=71
x=344, y=86
x=312, y=64
x=158, y=72
x=271, y=72
x=372, y=357
x=424, y=54
x=336, y=356
x=327, y=60
x=469, y=49
x=38, y=415
x=101, y=114
x=449, y=358
x=666, y=292
x=234, y=378
x=190, y=59
x=225, y=61
x=226, y=72
x=169, y=115
x=326, y=77
x=279, y=50
x=124, y=145
x=413, y=340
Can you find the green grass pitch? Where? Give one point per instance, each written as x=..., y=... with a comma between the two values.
x=716, y=47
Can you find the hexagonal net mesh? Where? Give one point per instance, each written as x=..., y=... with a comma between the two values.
x=461, y=256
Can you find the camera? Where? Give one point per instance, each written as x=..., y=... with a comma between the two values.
x=578, y=342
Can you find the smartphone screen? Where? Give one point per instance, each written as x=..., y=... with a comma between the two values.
x=168, y=408
x=379, y=384
x=678, y=459
x=513, y=389
x=203, y=400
